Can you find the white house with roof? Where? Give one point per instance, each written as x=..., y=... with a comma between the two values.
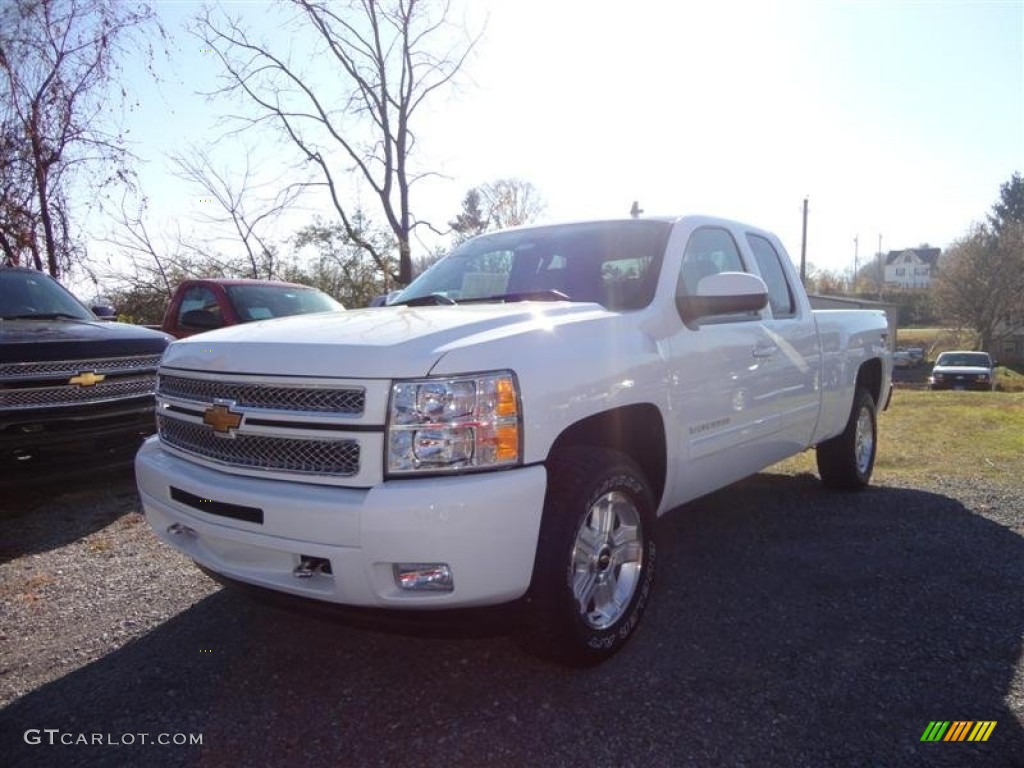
x=911, y=269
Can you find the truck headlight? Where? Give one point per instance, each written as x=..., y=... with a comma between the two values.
x=454, y=423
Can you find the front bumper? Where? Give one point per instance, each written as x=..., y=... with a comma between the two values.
x=43, y=444
x=484, y=526
x=978, y=385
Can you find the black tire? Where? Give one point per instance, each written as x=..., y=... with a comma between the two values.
x=846, y=461
x=597, y=538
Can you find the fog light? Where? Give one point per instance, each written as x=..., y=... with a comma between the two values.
x=429, y=577
x=177, y=529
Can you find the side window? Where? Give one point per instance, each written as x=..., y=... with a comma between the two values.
x=710, y=250
x=780, y=297
x=201, y=298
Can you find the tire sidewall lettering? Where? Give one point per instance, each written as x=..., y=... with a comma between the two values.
x=557, y=628
x=621, y=631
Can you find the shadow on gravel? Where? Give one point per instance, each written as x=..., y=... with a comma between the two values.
x=41, y=517
x=790, y=627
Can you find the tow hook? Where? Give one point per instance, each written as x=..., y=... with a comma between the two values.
x=310, y=566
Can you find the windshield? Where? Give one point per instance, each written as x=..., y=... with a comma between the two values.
x=25, y=294
x=615, y=264
x=262, y=302
x=968, y=359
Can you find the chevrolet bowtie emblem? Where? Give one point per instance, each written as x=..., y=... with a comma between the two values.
x=222, y=418
x=87, y=379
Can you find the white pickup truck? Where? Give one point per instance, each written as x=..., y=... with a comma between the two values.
x=511, y=427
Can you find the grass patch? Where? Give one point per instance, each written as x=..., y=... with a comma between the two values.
x=923, y=337
x=926, y=435
x=934, y=341
x=1008, y=380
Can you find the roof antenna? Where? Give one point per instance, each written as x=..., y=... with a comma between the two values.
x=636, y=210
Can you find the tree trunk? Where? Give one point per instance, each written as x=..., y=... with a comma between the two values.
x=45, y=216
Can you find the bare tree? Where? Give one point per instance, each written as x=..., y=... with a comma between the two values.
x=827, y=282
x=981, y=279
x=57, y=61
x=242, y=207
x=980, y=284
x=133, y=240
x=869, y=278
x=495, y=205
x=510, y=202
x=151, y=266
x=387, y=58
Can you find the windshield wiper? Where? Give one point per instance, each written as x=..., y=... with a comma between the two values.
x=430, y=299
x=43, y=316
x=541, y=294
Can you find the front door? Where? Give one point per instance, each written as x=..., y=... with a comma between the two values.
x=720, y=391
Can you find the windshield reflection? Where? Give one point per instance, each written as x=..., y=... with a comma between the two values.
x=615, y=264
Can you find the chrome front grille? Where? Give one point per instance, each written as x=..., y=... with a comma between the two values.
x=285, y=454
x=313, y=427
x=72, y=394
x=345, y=400
x=60, y=368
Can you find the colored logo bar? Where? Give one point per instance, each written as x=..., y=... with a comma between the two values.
x=958, y=730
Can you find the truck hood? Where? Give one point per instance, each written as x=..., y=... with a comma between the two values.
x=382, y=343
x=30, y=341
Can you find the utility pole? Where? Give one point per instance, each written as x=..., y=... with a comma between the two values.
x=803, y=249
x=881, y=273
x=853, y=286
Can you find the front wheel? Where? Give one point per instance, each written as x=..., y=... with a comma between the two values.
x=594, y=569
x=846, y=461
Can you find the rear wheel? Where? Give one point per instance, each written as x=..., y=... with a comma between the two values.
x=595, y=558
x=847, y=460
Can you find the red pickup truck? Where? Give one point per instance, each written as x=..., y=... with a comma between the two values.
x=203, y=305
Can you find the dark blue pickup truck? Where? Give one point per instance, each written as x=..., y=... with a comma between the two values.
x=75, y=391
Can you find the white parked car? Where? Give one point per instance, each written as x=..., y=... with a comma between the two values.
x=964, y=370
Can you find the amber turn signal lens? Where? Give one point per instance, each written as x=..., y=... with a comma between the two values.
x=506, y=439
x=507, y=405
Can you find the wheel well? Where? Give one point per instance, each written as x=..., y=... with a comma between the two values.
x=870, y=377
x=635, y=430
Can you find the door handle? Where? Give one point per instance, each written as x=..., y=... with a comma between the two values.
x=766, y=351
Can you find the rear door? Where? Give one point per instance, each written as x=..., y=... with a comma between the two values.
x=792, y=354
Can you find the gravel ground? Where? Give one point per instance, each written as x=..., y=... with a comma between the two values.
x=790, y=627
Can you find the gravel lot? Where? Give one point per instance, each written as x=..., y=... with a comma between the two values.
x=790, y=626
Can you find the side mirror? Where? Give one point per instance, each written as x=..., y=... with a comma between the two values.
x=201, y=320
x=104, y=311
x=725, y=293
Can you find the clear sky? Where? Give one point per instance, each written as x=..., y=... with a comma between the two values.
x=898, y=119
